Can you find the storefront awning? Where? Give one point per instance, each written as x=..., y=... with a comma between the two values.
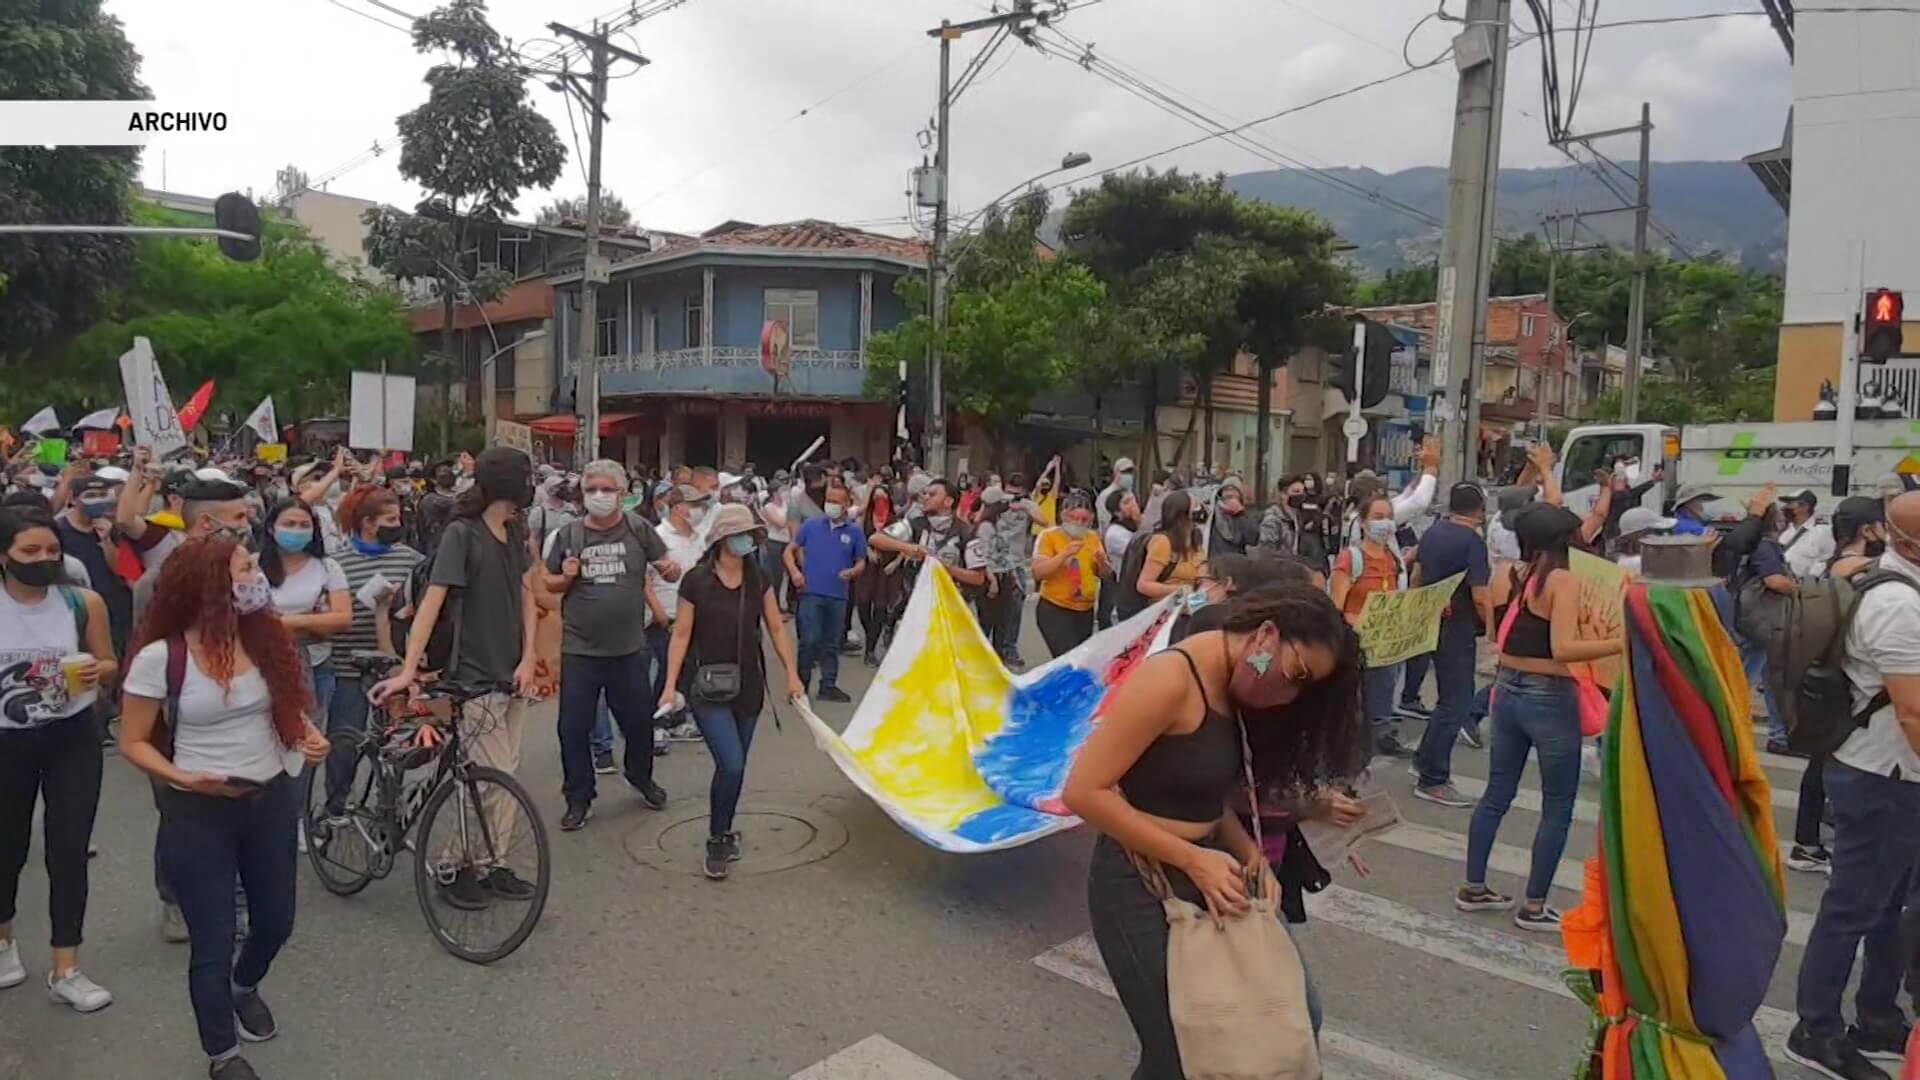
x=564, y=424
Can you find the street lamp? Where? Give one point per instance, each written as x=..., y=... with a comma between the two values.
x=490, y=398
x=1075, y=160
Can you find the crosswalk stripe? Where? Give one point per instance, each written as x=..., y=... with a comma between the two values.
x=1518, y=861
x=1529, y=799
x=1079, y=960
x=1463, y=942
x=874, y=1058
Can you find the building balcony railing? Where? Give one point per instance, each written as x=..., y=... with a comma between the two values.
x=730, y=369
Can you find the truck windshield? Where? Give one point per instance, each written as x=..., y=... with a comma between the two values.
x=1592, y=453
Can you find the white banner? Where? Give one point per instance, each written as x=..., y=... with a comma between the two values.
x=42, y=422
x=263, y=422
x=108, y=123
x=150, y=407
x=373, y=397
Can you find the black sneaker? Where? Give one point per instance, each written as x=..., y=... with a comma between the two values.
x=253, y=1021
x=464, y=891
x=1546, y=920
x=870, y=660
x=507, y=885
x=733, y=846
x=1830, y=1055
x=603, y=763
x=650, y=793
x=577, y=814
x=1414, y=709
x=1480, y=898
x=1471, y=736
x=1880, y=1042
x=1391, y=746
x=233, y=1068
x=833, y=694
x=718, y=863
x=1813, y=859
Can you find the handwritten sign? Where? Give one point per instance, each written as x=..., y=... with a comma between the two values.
x=271, y=453
x=1396, y=625
x=517, y=436
x=1602, y=616
x=149, y=406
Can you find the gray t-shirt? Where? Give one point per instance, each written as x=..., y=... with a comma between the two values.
x=487, y=576
x=602, y=613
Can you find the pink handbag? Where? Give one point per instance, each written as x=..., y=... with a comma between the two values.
x=1590, y=700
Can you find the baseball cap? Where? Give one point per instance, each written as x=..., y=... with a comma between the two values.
x=1124, y=464
x=994, y=495
x=1542, y=525
x=1640, y=519
x=1805, y=496
x=1856, y=513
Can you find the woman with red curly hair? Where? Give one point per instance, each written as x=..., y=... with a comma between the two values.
x=238, y=695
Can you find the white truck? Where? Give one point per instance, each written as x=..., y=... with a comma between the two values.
x=1736, y=460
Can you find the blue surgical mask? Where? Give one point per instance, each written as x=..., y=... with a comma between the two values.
x=96, y=509
x=1380, y=530
x=1196, y=600
x=293, y=539
x=741, y=544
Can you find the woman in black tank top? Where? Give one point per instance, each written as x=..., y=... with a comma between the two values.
x=1534, y=708
x=1275, y=693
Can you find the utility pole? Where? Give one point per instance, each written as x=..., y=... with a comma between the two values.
x=1466, y=249
x=1019, y=19
x=1637, y=305
x=586, y=397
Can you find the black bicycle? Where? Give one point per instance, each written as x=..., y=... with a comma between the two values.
x=481, y=863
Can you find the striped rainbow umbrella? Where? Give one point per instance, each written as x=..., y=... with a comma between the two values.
x=1685, y=909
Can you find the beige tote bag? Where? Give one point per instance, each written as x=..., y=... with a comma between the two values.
x=1237, y=990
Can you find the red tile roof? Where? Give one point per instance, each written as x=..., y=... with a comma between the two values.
x=814, y=235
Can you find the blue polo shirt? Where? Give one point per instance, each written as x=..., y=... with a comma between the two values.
x=825, y=550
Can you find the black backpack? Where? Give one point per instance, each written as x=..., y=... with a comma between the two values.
x=1804, y=660
x=1128, y=600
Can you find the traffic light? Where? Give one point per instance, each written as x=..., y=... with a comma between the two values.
x=235, y=212
x=1882, y=331
x=1379, y=366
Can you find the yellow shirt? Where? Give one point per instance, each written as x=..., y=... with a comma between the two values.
x=1186, y=571
x=1077, y=583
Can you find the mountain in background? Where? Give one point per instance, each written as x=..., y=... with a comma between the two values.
x=1712, y=206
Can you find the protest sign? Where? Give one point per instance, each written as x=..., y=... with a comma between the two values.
x=382, y=412
x=1397, y=625
x=155, y=424
x=517, y=436
x=271, y=453
x=51, y=452
x=1602, y=589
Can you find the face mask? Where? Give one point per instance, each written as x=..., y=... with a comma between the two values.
x=1876, y=548
x=939, y=522
x=696, y=515
x=251, y=595
x=1196, y=600
x=1074, y=530
x=1297, y=500
x=601, y=503
x=390, y=534
x=1124, y=481
x=741, y=544
x=1380, y=531
x=1255, y=682
x=836, y=511
x=293, y=539
x=36, y=575
x=1231, y=509
x=95, y=509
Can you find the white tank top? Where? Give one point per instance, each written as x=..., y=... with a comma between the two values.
x=33, y=639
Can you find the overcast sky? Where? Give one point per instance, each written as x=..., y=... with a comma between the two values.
x=712, y=129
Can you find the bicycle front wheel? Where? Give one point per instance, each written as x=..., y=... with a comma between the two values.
x=481, y=864
x=338, y=838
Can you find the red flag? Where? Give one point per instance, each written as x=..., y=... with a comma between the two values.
x=196, y=406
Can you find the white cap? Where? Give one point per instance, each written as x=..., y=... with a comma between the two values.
x=1124, y=464
x=1640, y=519
x=113, y=474
x=728, y=479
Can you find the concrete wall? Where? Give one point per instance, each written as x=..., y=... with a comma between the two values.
x=334, y=221
x=1856, y=151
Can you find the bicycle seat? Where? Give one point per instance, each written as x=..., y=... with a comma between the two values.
x=374, y=664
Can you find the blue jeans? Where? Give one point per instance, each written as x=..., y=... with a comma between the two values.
x=602, y=740
x=1416, y=676
x=1529, y=712
x=1482, y=705
x=346, y=712
x=1753, y=657
x=1453, y=677
x=728, y=735
x=1376, y=696
x=1013, y=609
x=821, y=620
x=204, y=842
x=320, y=679
x=1876, y=837
x=656, y=661
x=583, y=679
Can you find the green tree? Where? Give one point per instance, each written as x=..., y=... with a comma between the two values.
x=288, y=324
x=1401, y=285
x=572, y=211
x=51, y=286
x=474, y=145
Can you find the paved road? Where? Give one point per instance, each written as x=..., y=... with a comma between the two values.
x=882, y=960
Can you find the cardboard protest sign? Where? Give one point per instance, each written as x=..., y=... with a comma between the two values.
x=1397, y=625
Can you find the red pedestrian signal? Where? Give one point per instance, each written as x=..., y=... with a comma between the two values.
x=1881, y=338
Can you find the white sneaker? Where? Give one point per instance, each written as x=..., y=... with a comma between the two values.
x=12, y=971
x=77, y=990
x=300, y=835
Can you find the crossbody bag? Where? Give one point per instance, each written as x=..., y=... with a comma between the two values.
x=719, y=684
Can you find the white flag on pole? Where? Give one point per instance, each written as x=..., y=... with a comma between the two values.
x=42, y=422
x=102, y=420
x=263, y=422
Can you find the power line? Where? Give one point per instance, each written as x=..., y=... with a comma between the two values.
x=370, y=17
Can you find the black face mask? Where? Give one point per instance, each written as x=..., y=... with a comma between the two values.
x=1876, y=548
x=389, y=534
x=37, y=575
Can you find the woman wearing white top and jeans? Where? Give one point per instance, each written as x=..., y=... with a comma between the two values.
x=309, y=591
x=239, y=722
x=55, y=648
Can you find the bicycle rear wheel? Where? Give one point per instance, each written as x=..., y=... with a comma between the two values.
x=338, y=843
x=482, y=878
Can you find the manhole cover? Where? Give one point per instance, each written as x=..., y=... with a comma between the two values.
x=773, y=837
